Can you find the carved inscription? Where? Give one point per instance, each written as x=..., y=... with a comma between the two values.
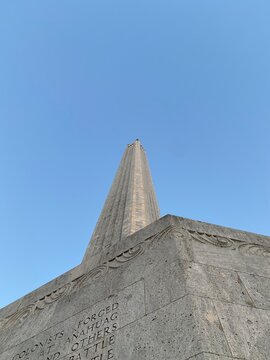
x=92, y=337
x=42, y=349
x=90, y=334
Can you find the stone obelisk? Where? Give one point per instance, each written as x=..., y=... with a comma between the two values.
x=148, y=288
x=130, y=205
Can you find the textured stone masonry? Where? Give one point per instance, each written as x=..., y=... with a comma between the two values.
x=172, y=297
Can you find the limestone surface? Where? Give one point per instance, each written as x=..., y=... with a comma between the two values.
x=177, y=289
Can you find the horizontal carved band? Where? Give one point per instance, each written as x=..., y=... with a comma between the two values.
x=244, y=247
x=20, y=315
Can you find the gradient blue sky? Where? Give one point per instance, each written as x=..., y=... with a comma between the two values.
x=81, y=79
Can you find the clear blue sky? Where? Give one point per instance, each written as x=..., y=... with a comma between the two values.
x=81, y=79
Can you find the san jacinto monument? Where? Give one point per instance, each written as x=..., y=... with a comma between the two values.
x=148, y=288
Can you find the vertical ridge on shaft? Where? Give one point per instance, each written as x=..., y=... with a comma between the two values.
x=130, y=205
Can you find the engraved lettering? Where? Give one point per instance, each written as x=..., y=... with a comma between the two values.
x=54, y=356
x=91, y=337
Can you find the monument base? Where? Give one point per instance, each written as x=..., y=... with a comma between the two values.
x=177, y=289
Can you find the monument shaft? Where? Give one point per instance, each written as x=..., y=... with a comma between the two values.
x=130, y=205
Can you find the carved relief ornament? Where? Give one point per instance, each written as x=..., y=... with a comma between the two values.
x=244, y=247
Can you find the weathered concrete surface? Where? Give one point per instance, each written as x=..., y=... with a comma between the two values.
x=177, y=289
